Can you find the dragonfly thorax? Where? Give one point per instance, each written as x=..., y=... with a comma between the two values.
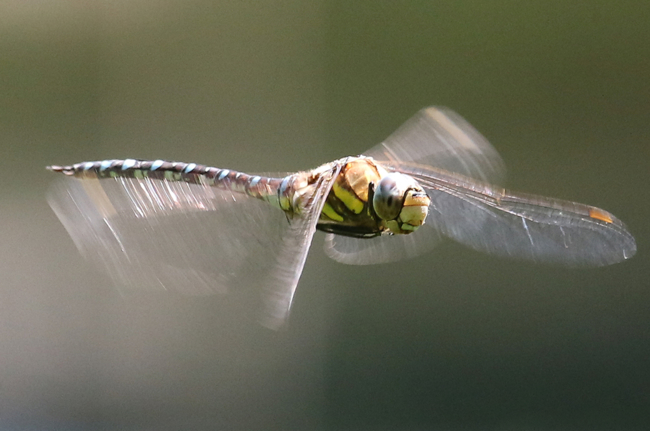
x=366, y=201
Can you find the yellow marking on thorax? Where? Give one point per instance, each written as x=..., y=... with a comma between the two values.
x=351, y=188
x=348, y=198
x=330, y=213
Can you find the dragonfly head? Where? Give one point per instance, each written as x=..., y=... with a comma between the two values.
x=400, y=201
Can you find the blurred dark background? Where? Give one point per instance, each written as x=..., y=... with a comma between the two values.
x=453, y=340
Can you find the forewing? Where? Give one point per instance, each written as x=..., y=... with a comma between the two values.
x=157, y=234
x=523, y=226
x=290, y=259
x=440, y=138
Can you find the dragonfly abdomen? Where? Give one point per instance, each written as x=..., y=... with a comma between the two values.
x=252, y=185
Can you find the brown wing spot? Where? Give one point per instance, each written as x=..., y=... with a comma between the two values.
x=600, y=215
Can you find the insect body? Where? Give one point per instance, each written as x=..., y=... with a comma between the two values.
x=202, y=229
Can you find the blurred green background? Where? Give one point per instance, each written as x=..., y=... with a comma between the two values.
x=453, y=340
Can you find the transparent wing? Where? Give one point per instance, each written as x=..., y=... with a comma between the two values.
x=381, y=249
x=434, y=137
x=156, y=234
x=279, y=291
x=440, y=138
x=522, y=226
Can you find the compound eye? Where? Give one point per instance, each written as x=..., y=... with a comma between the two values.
x=389, y=195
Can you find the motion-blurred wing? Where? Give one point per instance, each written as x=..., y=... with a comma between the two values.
x=523, y=226
x=381, y=249
x=158, y=234
x=279, y=291
x=440, y=138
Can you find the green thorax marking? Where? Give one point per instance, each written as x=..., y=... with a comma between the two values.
x=348, y=208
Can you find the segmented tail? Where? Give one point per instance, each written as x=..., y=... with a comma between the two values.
x=253, y=185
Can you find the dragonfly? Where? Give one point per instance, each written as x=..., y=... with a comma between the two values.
x=199, y=229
